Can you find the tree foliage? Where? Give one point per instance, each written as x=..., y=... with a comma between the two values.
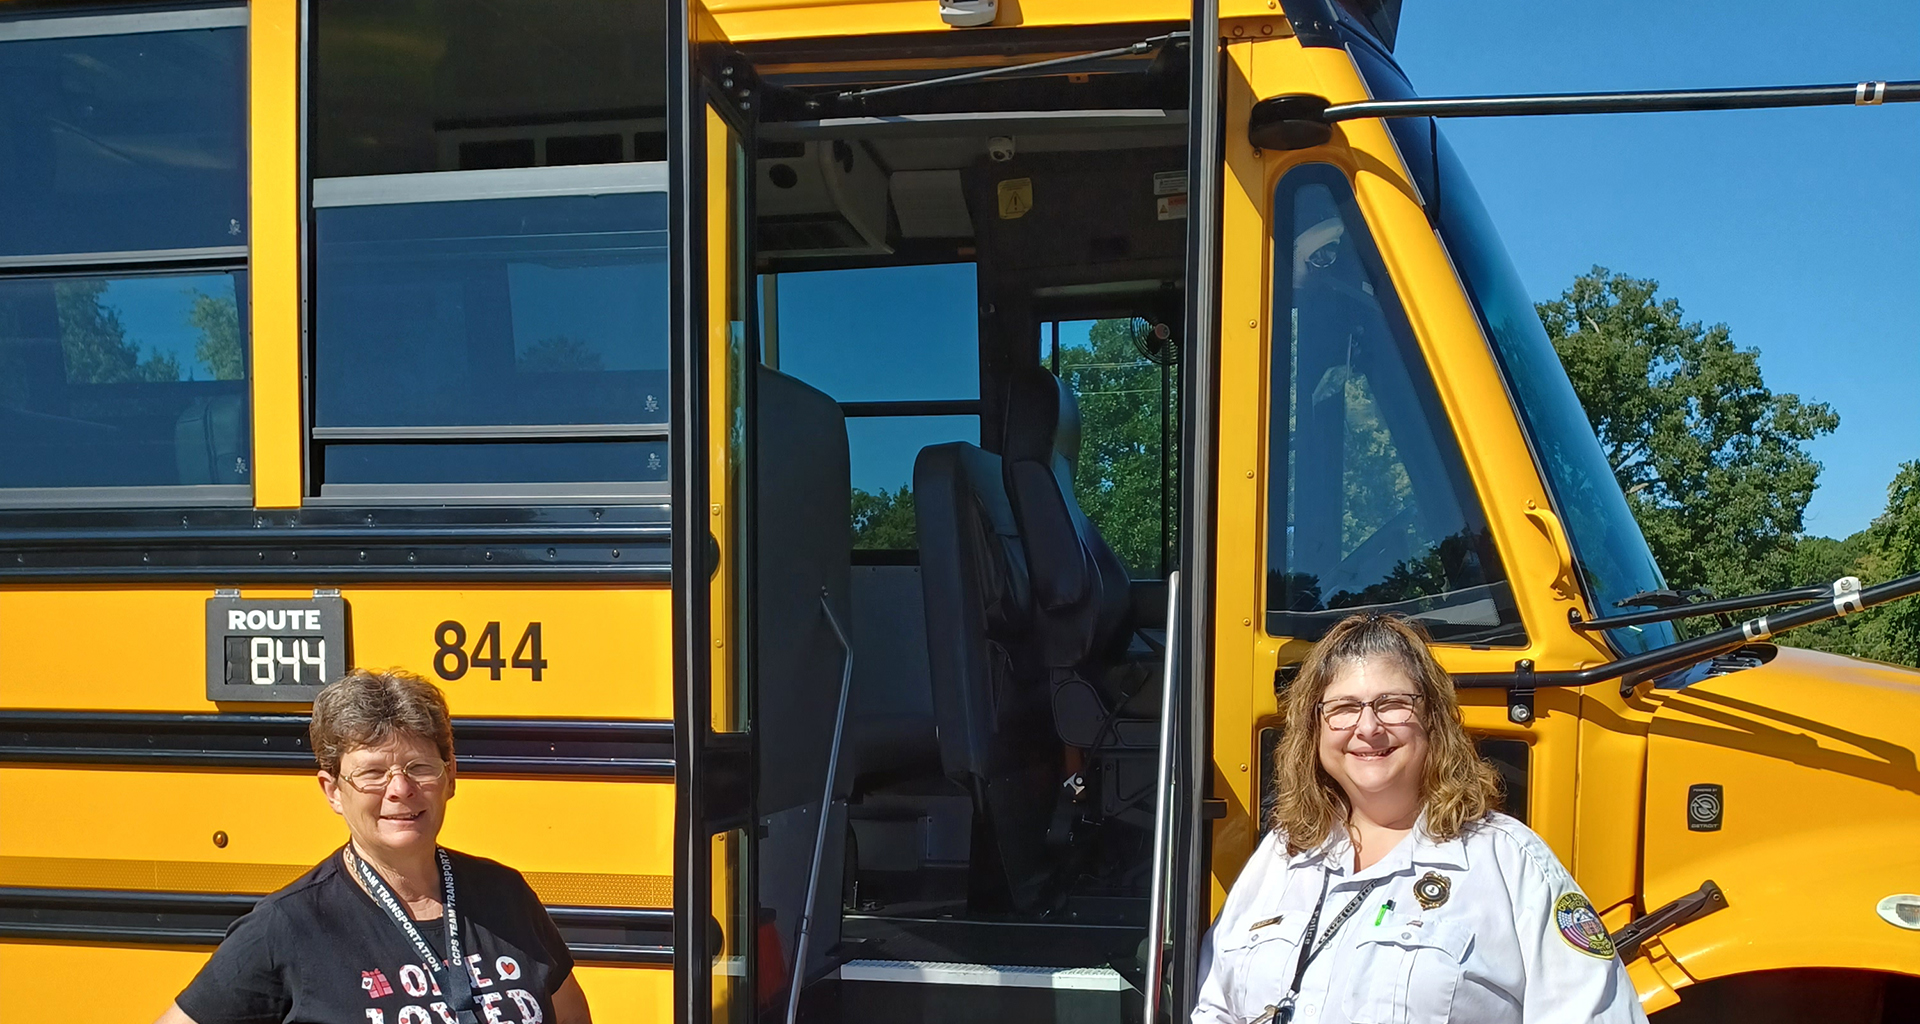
x=1713, y=463
x=94, y=342
x=1118, y=477
x=884, y=521
x=219, y=347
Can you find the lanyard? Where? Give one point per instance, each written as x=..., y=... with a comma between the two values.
x=1283, y=1011
x=459, y=988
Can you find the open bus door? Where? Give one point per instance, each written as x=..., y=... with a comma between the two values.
x=717, y=966
x=761, y=603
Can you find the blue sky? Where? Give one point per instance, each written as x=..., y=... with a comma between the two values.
x=1799, y=229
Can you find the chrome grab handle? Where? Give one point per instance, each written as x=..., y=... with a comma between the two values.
x=1162, y=816
x=798, y=974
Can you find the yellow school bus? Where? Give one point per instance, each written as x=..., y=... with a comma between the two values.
x=863, y=473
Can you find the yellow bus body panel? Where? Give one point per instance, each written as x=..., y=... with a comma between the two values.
x=1816, y=757
x=122, y=648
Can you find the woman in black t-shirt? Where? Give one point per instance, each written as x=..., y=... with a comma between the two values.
x=391, y=928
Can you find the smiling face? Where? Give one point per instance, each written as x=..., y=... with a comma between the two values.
x=402, y=819
x=1374, y=763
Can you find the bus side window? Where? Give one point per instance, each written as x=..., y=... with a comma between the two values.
x=123, y=226
x=1369, y=499
x=490, y=271
x=899, y=349
x=1124, y=378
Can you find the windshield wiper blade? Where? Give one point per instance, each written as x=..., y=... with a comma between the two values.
x=1847, y=597
x=1669, y=611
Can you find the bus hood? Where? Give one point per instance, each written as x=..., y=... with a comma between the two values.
x=1792, y=786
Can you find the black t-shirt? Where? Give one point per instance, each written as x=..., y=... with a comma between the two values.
x=321, y=951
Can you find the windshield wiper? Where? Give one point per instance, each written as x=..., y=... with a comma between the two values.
x=1844, y=597
x=1672, y=605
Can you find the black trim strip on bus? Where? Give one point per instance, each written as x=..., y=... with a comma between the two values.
x=594, y=934
x=486, y=746
x=334, y=545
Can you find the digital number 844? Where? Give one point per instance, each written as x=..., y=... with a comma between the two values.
x=452, y=659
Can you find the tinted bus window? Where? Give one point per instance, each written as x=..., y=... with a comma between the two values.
x=446, y=85
x=125, y=141
x=490, y=278
x=469, y=319
x=123, y=381
x=907, y=337
x=507, y=312
x=1372, y=506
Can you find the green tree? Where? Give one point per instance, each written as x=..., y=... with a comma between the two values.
x=1118, y=480
x=218, y=321
x=1118, y=476
x=94, y=342
x=883, y=521
x=1887, y=549
x=1713, y=463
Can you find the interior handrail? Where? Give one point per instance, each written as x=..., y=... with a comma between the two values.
x=1162, y=815
x=798, y=974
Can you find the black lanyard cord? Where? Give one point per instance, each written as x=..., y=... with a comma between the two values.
x=459, y=987
x=1309, y=948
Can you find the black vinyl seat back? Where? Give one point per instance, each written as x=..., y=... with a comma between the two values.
x=802, y=552
x=1081, y=589
x=992, y=709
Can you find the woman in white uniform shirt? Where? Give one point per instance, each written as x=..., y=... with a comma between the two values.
x=1389, y=889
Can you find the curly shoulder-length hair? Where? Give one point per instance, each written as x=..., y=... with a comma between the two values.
x=1457, y=787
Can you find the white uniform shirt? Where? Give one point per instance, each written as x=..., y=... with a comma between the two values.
x=1487, y=928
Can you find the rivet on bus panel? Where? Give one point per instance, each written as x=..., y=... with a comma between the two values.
x=220, y=840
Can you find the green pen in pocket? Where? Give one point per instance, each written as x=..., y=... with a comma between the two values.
x=1382, y=915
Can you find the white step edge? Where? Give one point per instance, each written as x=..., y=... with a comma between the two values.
x=926, y=972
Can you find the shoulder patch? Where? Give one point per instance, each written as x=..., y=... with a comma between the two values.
x=1581, y=927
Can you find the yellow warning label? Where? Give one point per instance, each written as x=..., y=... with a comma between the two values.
x=1016, y=198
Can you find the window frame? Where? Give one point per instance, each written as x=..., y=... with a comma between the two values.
x=1275, y=513
x=36, y=25
x=1046, y=331
x=767, y=284
x=360, y=191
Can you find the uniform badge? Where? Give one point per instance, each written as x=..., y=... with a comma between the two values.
x=1432, y=890
x=1581, y=927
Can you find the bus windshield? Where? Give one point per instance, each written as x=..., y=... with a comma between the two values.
x=1611, y=552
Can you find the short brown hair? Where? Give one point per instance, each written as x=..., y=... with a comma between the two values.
x=365, y=709
x=1457, y=787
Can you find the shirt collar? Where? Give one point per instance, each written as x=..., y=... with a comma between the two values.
x=1420, y=849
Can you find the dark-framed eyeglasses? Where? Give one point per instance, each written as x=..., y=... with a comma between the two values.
x=1389, y=708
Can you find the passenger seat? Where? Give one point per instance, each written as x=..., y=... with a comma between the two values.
x=1082, y=604
x=989, y=700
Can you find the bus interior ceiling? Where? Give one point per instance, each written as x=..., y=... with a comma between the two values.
x=1003, y=728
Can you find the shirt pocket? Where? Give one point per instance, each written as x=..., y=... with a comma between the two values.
x=1406, y=972
x=1264, y=964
